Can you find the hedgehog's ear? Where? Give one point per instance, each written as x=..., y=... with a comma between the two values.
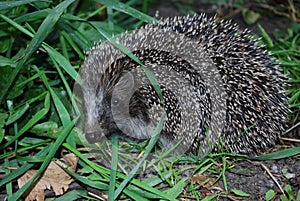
x=126, y=84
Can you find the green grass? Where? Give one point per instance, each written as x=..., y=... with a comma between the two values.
x=42, y=47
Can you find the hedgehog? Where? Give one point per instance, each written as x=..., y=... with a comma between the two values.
x=217, y=85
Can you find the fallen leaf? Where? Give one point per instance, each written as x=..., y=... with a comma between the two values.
x=54, y=178
x=204, y=180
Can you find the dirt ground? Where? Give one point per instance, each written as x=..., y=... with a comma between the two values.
x=269, y=22
x=252, y=177
x=248, y=176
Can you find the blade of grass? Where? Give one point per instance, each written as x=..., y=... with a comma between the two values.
x=4, y=61
x=22, y=84
x=20, y=150
x=176, y=190
x=39, y=97
x=63, y=62
x=43, y=31
x=17, y=114
x=240, y=193
x=266, y=37
x=74, y=35
x=211, y=197
x=73, y=44
x=117, y=5
x=68, y=89
x=113, y=168
x=110, y=17
x=201, y=168
x=83, y=179
x=8, y=185
x=155, y=180
x=16, y=25
x=278, y=154
x=12, y=4
x=224, y=161
x=31, y=159
x=64, y=48
x=72, y=195
x=33, y=16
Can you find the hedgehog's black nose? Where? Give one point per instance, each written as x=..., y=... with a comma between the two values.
x=93, y=137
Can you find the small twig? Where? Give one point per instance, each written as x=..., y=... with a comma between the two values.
x=9, y=168
x=291, y=16
x=271, y=175
x=104, y=198
x=293, y=10
x=290, y=139
x=292, y=128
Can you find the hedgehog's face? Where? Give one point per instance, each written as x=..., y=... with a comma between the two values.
x=118, y=109
x=98, y=117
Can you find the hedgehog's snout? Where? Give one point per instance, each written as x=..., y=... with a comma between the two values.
x=97, y=120
x=94, y=136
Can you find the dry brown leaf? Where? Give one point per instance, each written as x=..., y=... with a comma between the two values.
x=204, y=180
x=54, y=177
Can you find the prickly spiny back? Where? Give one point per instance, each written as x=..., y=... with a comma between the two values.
x=254, y=100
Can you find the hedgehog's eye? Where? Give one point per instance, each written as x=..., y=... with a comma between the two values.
x=115, y=102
